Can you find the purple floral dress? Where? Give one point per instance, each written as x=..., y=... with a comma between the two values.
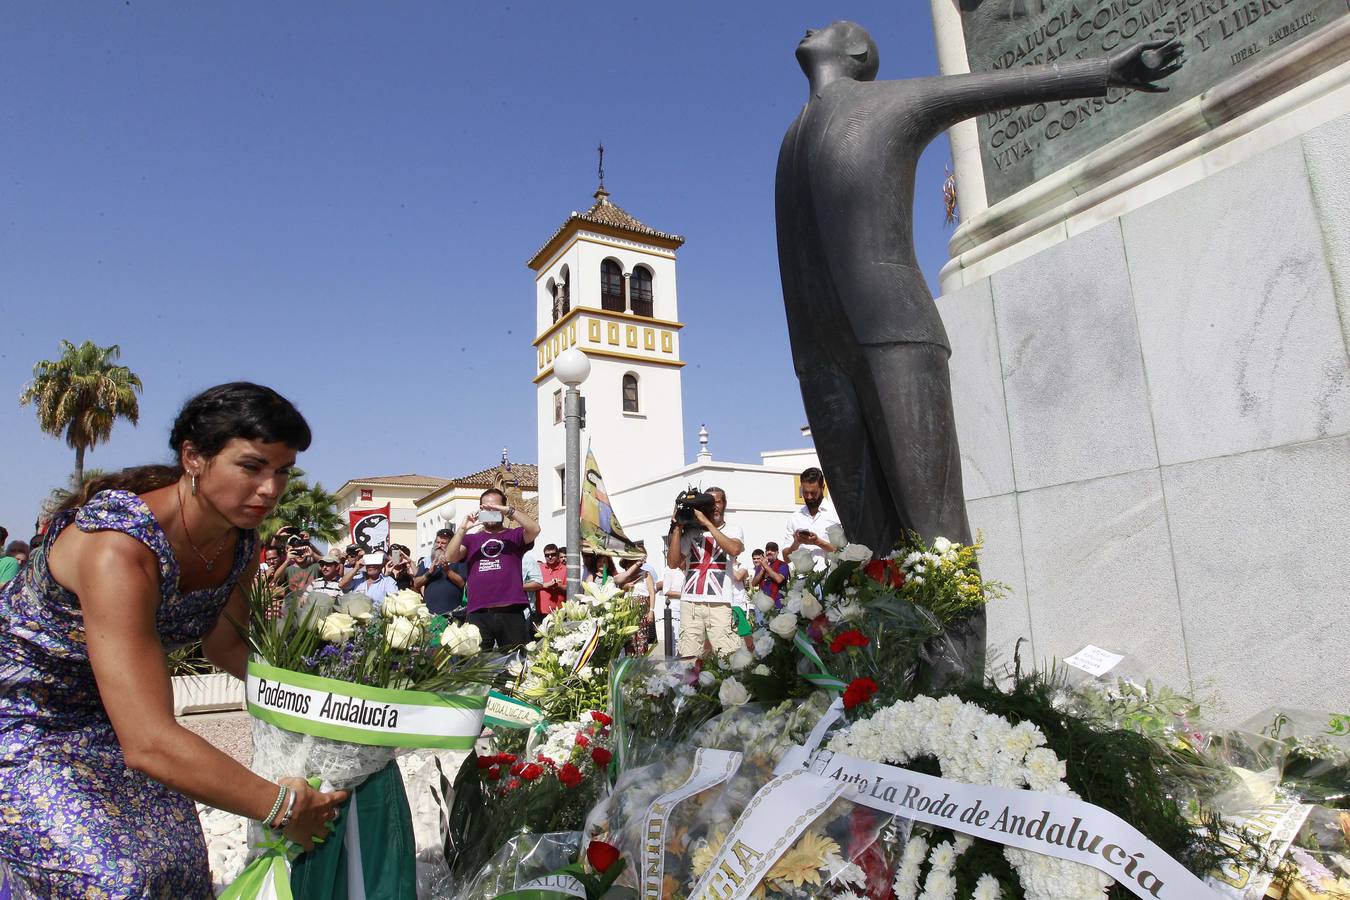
x=75, y=822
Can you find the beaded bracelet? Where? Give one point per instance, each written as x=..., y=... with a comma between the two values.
x=276, y=807
x=286, y=816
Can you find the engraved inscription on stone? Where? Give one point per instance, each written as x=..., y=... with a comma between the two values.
x=1221, y=37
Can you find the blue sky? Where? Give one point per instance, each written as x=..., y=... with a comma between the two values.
x=338, y=199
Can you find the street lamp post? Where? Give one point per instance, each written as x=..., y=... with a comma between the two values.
x=572, y=367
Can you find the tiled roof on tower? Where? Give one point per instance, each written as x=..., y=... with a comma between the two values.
x=607, y=216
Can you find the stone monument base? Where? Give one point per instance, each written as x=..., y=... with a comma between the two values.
x=1154, y=416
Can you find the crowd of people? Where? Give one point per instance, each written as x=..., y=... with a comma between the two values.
x=484, y=572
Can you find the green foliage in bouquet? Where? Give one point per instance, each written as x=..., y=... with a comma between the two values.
x=400, y=646
x=567, y=663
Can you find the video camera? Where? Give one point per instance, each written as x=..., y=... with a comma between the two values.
x=689, y=500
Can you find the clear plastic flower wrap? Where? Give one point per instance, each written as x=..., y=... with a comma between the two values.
x=520, y=860
x=278, y=753
x=657, y=704
x=672, y=818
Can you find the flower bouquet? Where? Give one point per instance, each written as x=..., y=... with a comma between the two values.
x=712, y=815
x=547, y=789
x=566, y=664
x=337, y=687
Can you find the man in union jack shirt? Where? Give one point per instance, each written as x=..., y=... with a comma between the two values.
x=707, y=554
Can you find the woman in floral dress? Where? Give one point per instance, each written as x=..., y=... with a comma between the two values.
x=97, y=779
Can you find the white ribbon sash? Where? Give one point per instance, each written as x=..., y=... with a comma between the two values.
x=711, y=768
x=774, y=819
x=1063, y=827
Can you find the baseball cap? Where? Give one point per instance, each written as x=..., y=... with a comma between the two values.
x=329, y=557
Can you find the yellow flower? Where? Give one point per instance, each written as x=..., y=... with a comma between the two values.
x=706, y=852
x=801, y=864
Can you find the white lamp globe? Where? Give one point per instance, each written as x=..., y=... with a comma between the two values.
x=572, y=367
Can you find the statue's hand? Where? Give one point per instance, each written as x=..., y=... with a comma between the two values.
x=1142, y=65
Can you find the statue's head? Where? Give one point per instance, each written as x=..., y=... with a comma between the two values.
x=844, y=47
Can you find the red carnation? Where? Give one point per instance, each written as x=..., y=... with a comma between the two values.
x=505, y=758
x=485, y=761
x=582, y=740
x=886, y=572
x=569, y=775
x=859, y=691
x=533, y=771
x=493, y=773
x=845, y=639
x=602, y=719
x=517, y=768
x=601, y=756
x=601, y=855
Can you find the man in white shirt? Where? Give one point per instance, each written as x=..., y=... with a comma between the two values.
x=706, y=554
x=810, y=526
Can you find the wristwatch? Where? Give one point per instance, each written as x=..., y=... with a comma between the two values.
x=510, y=512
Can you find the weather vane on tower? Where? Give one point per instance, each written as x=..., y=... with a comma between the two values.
x=601, y=150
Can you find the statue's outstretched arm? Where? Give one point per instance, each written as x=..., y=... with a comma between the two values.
x=947, y=100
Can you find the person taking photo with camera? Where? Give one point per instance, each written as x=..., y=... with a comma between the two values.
x=705, y=551
x=496, y=585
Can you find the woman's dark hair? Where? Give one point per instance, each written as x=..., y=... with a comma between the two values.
x=209, y=421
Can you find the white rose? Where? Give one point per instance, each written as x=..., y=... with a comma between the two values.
x=802, y=559
x=402, y=603
x=733, y=693
x=462, y=640
x=401, y=633
x=810, y=607
x=515, y=668
x=793, y=601
x=741, y=659
x=586, y=673
x=783, y=625
x=856, y=553
x=357, y=605
x=941, y=545
x=423, y=614
x=706, y=679
x=763, y=602
x=763, y=643
x=337, y=627
x=835, y=535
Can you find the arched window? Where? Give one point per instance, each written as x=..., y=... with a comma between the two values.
x=564, y=297
x=611, y=286
x=554, y=291
x=630, y=393
x=640, y=290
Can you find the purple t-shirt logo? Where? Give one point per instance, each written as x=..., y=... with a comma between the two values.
x=495, y=577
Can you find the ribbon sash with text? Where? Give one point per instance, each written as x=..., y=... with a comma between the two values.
x=358, y=714
x=1064, y=827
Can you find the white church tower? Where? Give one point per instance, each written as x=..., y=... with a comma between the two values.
x=605, y=282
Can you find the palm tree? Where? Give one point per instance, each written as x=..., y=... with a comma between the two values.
x=58, y=495
x=82, y=395
x=308, y=508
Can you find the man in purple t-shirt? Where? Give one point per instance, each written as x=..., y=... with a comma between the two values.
x=496, y=589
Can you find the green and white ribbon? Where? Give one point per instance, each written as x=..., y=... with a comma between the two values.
x=360, y=714
x=617, y=674
x=821, y=677
x=550, y=887
x=509, y=712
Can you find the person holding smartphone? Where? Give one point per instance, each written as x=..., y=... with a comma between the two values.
x=810, y=526
x=498, y=604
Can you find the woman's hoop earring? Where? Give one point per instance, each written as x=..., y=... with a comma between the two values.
x=194, y=484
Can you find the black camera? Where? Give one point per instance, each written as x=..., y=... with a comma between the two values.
x=297, y=541
x=688, y=501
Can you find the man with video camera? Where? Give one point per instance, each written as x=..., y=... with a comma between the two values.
x=704, y=546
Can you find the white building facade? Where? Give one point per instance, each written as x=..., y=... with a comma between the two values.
x=606, y=283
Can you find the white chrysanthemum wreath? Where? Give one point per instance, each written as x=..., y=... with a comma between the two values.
x=974, y=747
